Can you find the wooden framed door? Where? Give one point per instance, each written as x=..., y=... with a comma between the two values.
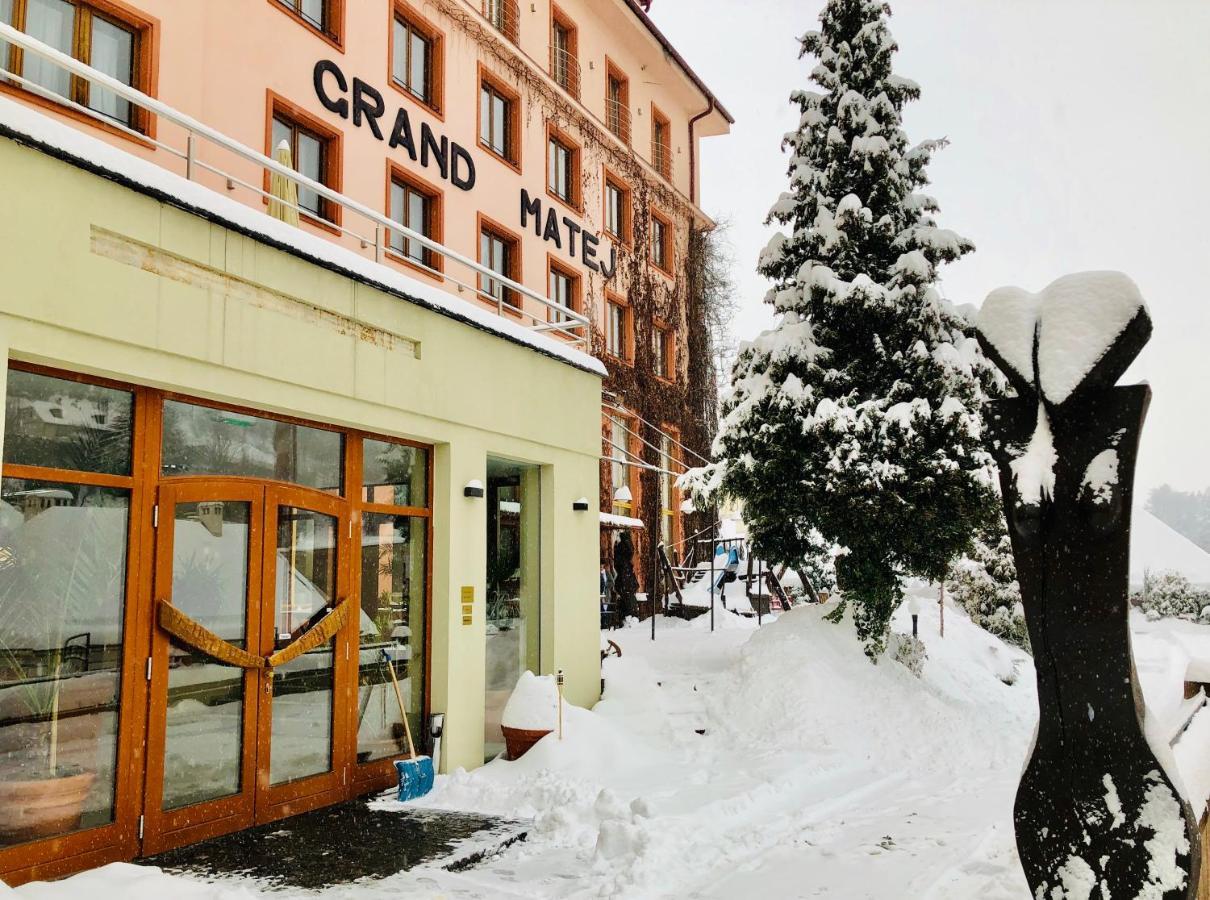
x=250, y=664
x=304, y=745
x=203, y=713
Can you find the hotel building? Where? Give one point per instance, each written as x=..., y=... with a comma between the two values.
x=273, y=445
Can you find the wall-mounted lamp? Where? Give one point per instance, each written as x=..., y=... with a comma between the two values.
x=623, y=495
x=473, y=489
x=580, y=505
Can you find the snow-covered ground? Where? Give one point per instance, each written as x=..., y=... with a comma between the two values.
x=753, y=763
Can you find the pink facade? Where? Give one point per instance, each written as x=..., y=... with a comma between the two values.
x=233, y=64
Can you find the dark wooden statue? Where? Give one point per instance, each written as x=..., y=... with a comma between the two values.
x=1097, y=812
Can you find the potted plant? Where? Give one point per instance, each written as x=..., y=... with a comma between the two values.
x=530, y=714
x=61, y=590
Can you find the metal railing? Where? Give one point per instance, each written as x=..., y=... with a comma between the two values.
x=505, y=17
x=617, y=118
x=661, y=156
x=568, y=324
x=565, y=70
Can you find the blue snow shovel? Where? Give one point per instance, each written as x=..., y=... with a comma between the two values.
x=415, y=774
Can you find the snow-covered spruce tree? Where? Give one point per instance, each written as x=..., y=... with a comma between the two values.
x=858, y=416
x=985, y=585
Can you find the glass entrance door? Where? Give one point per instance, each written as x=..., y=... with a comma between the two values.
x=247, y=663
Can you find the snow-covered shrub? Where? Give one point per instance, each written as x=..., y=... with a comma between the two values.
x=1170, y=595
x=985, y=585
x=908, y=650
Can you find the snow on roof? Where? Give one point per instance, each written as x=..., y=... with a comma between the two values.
x=32, y=127
x=609, y=520
x=1157, y=547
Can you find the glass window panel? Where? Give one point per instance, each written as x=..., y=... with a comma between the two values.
x=399, y=52
x=393, y=633
x=310, y=163
x=419, y=82
x=300, y=743
x=6, y=16
x=52, y=22
x=62, y=590
x=514, y=600
x=397, y=215
x=499, y=120
x=485, y=115
x=417, y=221
x=113, y=54
x=62, y=424
x=203, y=747
x=396, y=474
x=283, y=132
x=314, y=12
x=199, y=440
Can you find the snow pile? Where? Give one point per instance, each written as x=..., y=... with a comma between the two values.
x=533, y=704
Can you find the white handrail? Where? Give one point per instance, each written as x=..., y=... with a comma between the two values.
x=194, y=128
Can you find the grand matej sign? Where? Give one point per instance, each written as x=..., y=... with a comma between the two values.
x=365, y=106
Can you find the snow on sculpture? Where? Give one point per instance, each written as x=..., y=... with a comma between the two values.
x=1098, y=811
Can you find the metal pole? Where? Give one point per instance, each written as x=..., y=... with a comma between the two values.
x=713, y=526
x=760, y=564
x=651, y=598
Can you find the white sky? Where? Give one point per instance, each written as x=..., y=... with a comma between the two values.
x=1080, y=137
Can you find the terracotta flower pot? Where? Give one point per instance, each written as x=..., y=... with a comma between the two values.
x=43, y=807
x=518, y=741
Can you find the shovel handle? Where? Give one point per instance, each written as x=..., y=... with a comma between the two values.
x=403, y=713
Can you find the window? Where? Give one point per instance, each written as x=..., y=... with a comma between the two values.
x=564, y=66
x=668, y=512
x=661, y=243
x=563, y=169
x=416, y=207
x=563, y=288
x=416, y=57
x=499, y=120
x=500, y=252
x=661, y=148
x=104, y=41
x=664, y=350
x=505, y=17
x=312, y=155
x=617, y=330
x=617, y=447
x=617, y=102
x=617, y=210
x=316, y=13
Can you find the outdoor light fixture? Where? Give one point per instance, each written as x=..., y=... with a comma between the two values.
x=473, y=489
x=580, y=505
x=623, y=495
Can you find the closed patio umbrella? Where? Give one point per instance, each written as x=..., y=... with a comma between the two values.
x=283, y=191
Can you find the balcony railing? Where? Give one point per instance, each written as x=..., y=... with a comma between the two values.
x=617, y=117
x=565, y=70
x=371, y=228
x=661, y=157
x=505, y=16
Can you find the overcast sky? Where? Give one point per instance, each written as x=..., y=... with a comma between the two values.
x=1080, y=135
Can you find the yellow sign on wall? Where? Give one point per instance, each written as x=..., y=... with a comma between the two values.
x=468, y=605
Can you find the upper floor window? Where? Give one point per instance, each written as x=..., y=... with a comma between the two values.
x=563, y=289
x=663, y=347
x=499, y=120
x=500, y=252
x=617, y=210
x=661, y=243
x=316, y=13
x=505, y=15
x=564, y=65
x=107, y=42
x=312, y=153
x=617, y=102
x=661, y=145
x=617, y=330
x=416, y=57
x=415, y=207
x=563, y=169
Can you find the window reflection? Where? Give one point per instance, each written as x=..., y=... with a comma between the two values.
x=62, y=583
x=395, y=474
x=200, y=440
